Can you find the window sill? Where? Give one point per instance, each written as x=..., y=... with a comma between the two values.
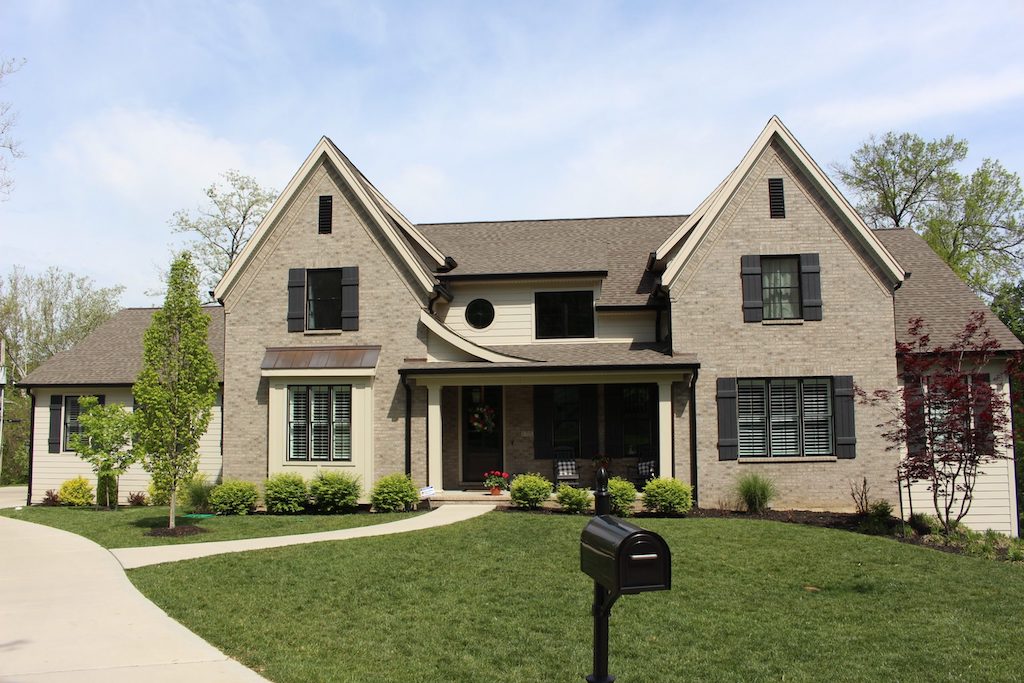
x=319, y=463
x=793, y=321
x=317, y=333
x=796, y=458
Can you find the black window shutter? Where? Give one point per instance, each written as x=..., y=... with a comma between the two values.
x=543, y=426
x=913, y=402
x=842, y=405
x=728, y=426
x=296, y=299
x=981, y=402
x=56, y=425
x=588, y=421
x=776, y=198
x=613, y=420
x=350, y=298
x=325, y=221
x=750, y=274
x=810, y=286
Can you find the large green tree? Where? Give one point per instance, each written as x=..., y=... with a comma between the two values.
x=177, y=387
x=221, y=228
x=973, y=221
x=105, y=441
x=10, y=149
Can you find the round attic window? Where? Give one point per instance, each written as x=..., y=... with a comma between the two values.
x=480, y=313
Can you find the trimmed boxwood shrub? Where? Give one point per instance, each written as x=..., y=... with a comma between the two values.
x=76, y=492
x=756, y=491
x=621, y=495
x=333, y=492
x=667, y=497
x=285, y=493
x=572, y=499
x=530, y=490
x=234, y=497
x=394, y=493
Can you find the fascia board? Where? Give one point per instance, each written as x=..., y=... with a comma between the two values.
x=407, y=225
x=463, y=344
x=669, y=244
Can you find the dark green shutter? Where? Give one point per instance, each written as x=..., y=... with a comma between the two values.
x=728, y=427
x=613, y=420
x=842, y=406
x=810, y=286
x=543, y=421
x=588, y=421
x=56, y=425
x=750, y=275
x=296, y=299
x=350, y=298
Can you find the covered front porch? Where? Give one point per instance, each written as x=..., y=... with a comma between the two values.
x=488, y=416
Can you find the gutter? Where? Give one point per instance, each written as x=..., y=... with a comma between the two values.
x=693, y=434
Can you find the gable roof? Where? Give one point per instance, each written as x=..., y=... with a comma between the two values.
x=675, y=251
x=618, y=246
x=934, y=293
x=112, y=353
x=395, y=227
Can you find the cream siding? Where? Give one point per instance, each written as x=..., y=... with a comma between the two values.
x=50, y=470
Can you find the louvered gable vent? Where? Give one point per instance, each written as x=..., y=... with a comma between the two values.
x=776, y=199
x=324, y=225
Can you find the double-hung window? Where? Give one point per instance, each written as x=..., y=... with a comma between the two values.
x=71, y=424
x=320, y=423
x=784, y=417
x=564, y=314
x=780, y=288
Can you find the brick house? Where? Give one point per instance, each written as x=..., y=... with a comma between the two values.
x=705, y=345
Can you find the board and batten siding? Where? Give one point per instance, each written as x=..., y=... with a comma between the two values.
x=514, y=315
x=50, y=470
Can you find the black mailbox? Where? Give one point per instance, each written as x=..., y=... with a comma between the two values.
x=625, y=558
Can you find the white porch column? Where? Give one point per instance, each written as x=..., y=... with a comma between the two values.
x=434, y=469
x=665, y=429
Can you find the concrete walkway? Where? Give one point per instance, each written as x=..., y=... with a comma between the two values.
x=130, y=558
x=13, y=496
x=69, y=613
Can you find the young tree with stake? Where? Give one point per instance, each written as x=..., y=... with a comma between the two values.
x=105, y=441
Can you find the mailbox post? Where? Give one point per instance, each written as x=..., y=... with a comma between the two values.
x=622, y=559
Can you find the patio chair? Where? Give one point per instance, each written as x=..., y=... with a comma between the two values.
x=566, y=469
x=643, y=472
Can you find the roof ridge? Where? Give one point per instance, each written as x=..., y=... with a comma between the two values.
x=551, y=220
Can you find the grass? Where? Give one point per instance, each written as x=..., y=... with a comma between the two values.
x=126, y=527
x=501, y=597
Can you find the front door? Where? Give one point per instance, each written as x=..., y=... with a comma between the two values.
x=482, y=438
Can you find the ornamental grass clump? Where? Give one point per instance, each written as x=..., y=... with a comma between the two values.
x=667, y=497
x=285, y=493
x=334, y=492
x=530, y=490
x=234, y=497
x=394, y=493
x=756, y=492
x=76, y=492
x=196, y=493
x=573, y=500
x=621, y=495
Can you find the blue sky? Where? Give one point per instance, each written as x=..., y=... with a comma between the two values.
x=464, y=110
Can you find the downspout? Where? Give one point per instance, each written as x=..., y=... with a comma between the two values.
x=31, y=443
x=408, y=426
x=439, y=292
x=693, y=434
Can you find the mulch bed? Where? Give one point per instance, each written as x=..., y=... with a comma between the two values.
x=847, y=521
x=180, y=530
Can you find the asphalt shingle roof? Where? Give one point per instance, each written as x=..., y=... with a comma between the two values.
x=112, y=353
x=619, y=246
x=935, y=293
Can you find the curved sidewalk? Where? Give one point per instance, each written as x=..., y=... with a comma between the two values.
x=69, y=613
x=130, y=558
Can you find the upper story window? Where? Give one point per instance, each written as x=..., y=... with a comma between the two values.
x=324, y=299
x=564, y=314
x=780, y=288
x=480, y=313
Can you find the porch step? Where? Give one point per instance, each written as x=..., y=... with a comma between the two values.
x=469, y=498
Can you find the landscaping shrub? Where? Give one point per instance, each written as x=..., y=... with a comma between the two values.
x=234, y=497
x=76, y=492
x=878, y=520
x=51, y=497
x=667, y=497
x=530, y=490
x=333, y=492
x=196, y=493
x=137, y=498
x=106, y=490
x=621, y=495
x=756, y=491
x=1015, y=553
x=285, y=493
x=394, y=493
x=924, y=524
x=157, y=495
x=861, y=494
x=572, y=499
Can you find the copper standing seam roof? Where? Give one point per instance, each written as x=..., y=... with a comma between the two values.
x=321, y=358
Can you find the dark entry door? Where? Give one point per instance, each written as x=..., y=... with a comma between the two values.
x=482, y=438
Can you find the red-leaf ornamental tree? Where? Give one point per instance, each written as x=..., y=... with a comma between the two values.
x=947, y=420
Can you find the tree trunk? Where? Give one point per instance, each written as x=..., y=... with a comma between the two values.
x=170, y=521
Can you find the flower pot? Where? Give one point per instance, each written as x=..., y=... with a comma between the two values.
x=495, y=490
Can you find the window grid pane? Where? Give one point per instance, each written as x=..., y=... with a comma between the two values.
x=780, y=288
x=785, y=417
x=320, y=423
x=298, y=423
x=342, y=423
x=817, y=411
x=323, y=303
x=784, y=424
x=753, y=432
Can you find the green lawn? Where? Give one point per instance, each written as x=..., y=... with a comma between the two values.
x=501, y=597
x=127, y=526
